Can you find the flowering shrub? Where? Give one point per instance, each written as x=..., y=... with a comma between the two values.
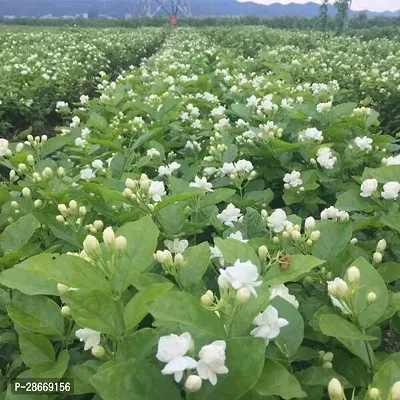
x=200, y=231
x=41, y=67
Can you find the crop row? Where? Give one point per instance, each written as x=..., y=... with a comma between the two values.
x=209, y=228
x=38, y=69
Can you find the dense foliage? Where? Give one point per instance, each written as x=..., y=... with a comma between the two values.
x=39, y=68
x=221, y=222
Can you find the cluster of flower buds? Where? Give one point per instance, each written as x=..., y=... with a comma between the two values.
x=171, y=264
x=380, y=249
x=362, y=112
x=113, y=247
x=309, y=236
x=217, y=148
x=325, y=359
x=144, y=191
x=97, y=226
x=35, y=142
x=71, y=213
x=4, y=150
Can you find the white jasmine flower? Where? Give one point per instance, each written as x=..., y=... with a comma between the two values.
x=391, y=190
x=268, y=324
x=324, y=107
x=176, y=246
x=87, y=173
x=334, y=213
x=3, y=147
x=89, y=336
x=242, y=275
x=97, y=164
x=212, y=361
x=238, y=236
x=313, y=134
x=393, y=160
x=364, y=143
x=283, y=291
x=277, y=220
x=325, y=158
x=75, y=122
x=157, y=190
x=169, y=169
x=172, y=350
x=208, y=171
x=80, y=142
x=153, y=153
x=293, y=179
x=229, y=215
x=196, y=124
x=253, y=101
x=84, y=99
x=85, y=133
x=201, y=184
x=227, y=169
x=368, y=187
x=243, y=166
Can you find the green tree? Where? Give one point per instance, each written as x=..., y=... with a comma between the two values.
x=323, y=14
x=342, y=17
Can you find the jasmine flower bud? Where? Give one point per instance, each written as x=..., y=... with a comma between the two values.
x=62, y=289
x=98, y=225
x=73, y=205
x=353, y=274
x=109, y=237
x=381, y=246
x=222, y=282
x=377, y=258
x=179, y=260
x=63, y=209
x=263, y=252
x=395, y=392
x=47, y=173
x=243, y=295
x=66, y=312
x=354, y=241
x=26, y=192
x=335, y=390
x=193, y=383
x=30, y=160
x=38, y=203
x=371, y=297
x=309, y=242
x=310, y=223
x=91, y=246
x=327, y=365
x=14, y=204
x=60, y=219
x=315, y=235
x=296, y=235
x=374, y=394
x=82, y=211
x=207, y=298
x=327, y=357
x=61, y=172
x=98, y=351
x=120, y=244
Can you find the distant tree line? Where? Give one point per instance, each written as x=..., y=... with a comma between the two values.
x=340, y=22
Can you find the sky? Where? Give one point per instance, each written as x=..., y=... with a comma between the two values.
x=372, y=5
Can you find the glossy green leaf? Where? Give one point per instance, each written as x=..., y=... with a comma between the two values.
x=197, y=259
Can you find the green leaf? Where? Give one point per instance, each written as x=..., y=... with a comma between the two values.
x=233, y=250
x=177, y=198
x=183, y=308
x=333, y=240
x=385, y=378
x=370, y=281
x=275, y=380
x=242, y=111
x=76, y=273
x=136, y=309
x=18, y=233
x=245, y=361
x=56, y=143
x=352, y=201
x=140, y=345
x=37, y=352
x=37, y=314
x=341, y=110
x=134, y=380
x=97, y=310
x=319, y=376
x=172, y=219
x=197, y=259
x=298, y=267
x=142, y=238
x=389, y=272
x=168, y=106
x=338, y=327
x=31, y=276
x=391, y=221
x=291, y=336
x=253, y=224
x=97, y=121
x=117, y=165
x=383, y=174
x=104, y=192
x=216, y=197
x=361, y=349
x=81, y=374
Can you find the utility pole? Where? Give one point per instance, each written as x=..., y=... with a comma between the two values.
x=150, y=8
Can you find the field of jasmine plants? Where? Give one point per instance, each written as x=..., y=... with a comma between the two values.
x=219, y=221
